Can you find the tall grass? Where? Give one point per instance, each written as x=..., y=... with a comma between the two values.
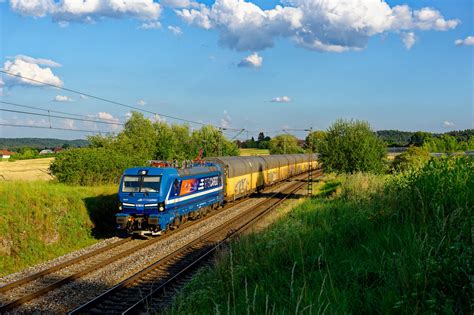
x=43, y=220
x=376, y=245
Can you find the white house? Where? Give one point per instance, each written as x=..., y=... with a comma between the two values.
x=5, y=154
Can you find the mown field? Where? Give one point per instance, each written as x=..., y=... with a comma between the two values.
x=248, y=152
x=42, y=220
x=366, y=244
x=29, y=170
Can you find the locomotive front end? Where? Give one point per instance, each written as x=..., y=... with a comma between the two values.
x=141, y=201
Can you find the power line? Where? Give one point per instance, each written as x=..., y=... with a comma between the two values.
x=107, y=100
x=44, y=127
x=53, y=111
x=62, y=117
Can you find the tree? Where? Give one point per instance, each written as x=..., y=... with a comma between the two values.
x=313, y=140
x=138, y=137
x=213, y=142
x=351, y=146
x=419, y=138
x=284, y=144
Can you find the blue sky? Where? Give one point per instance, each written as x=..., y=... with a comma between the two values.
x=201, y=74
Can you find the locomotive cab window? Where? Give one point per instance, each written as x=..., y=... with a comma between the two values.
x=141, y=184
x=151, y=184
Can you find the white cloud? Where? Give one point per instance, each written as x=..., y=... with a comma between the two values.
x=226, y=120
x=448, y=124
x=178, y=3
x=281, y=99
x=62, y=98
x=150, y=25
x=321, y=25
x=251, y=61
x=468, y=41
x=32, y=68
x=109, y=117
x=83, y=97
x=141, y=102
x=176, y=30
x=87, y=10
x=38, y=61
x=68, y=123
x=408, y=39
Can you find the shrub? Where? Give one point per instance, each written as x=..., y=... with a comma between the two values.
x=351, y=146
x=412, y=158
x=92, y=166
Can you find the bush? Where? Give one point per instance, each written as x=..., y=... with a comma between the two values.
x=351, y=146
x=413, y=158
x=92, y=166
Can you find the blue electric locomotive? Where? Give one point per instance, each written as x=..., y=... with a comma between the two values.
x=154, y=199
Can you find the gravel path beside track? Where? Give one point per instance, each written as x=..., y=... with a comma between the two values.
x=78, y=292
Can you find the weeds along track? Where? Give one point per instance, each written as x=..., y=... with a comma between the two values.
x=149, y=289
x=15, y=294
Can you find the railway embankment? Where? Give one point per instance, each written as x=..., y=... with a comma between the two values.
x=43, y=220
x=364, y=244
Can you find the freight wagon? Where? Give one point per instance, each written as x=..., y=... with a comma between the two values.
x=155, y=199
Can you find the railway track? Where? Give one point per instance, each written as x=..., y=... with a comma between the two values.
x=149, y=289
x=16, y=293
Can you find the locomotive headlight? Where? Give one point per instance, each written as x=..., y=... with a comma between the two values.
x=120, y=207
x=161, y=208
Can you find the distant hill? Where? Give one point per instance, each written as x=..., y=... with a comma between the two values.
x=39, y=143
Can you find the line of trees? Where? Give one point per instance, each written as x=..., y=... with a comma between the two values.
x=140, y=141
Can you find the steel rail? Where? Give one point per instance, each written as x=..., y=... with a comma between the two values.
x=179, y=252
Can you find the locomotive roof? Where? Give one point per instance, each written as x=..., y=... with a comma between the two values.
x=182, y=172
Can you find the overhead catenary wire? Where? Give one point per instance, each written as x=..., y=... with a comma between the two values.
x=47, y=127
x=108, y=100
x=62, y=117
x=53, y=111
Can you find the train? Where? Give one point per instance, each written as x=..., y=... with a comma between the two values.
x=157, y=198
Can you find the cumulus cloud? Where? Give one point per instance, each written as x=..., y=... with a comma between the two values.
x=448, y=124
x=62, y=98
x=226, y=120
x=281, y=99
x=150, y=25
x=468, y=41
x=37, y=69
x=251, y=61
x=87, y=10
x=38, y=61
x=109, y=117
x=68, y=124
x=408, y=39
x=141, y=102
x=176, y=30
x=178, y=3
x=321, y=25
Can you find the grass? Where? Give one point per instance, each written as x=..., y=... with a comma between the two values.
x=43, y=220
x=35, y=169
x=248, y=152
x=366, y=244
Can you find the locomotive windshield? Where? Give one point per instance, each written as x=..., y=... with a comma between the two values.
x=141, y=183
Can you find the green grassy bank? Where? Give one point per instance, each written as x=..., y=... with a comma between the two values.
x=366, y=244
x=43, y=220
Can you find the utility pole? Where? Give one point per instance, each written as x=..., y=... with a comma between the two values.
x=310, y=170
x=220, y=141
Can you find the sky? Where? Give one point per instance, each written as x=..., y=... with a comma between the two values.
x=253, y=65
